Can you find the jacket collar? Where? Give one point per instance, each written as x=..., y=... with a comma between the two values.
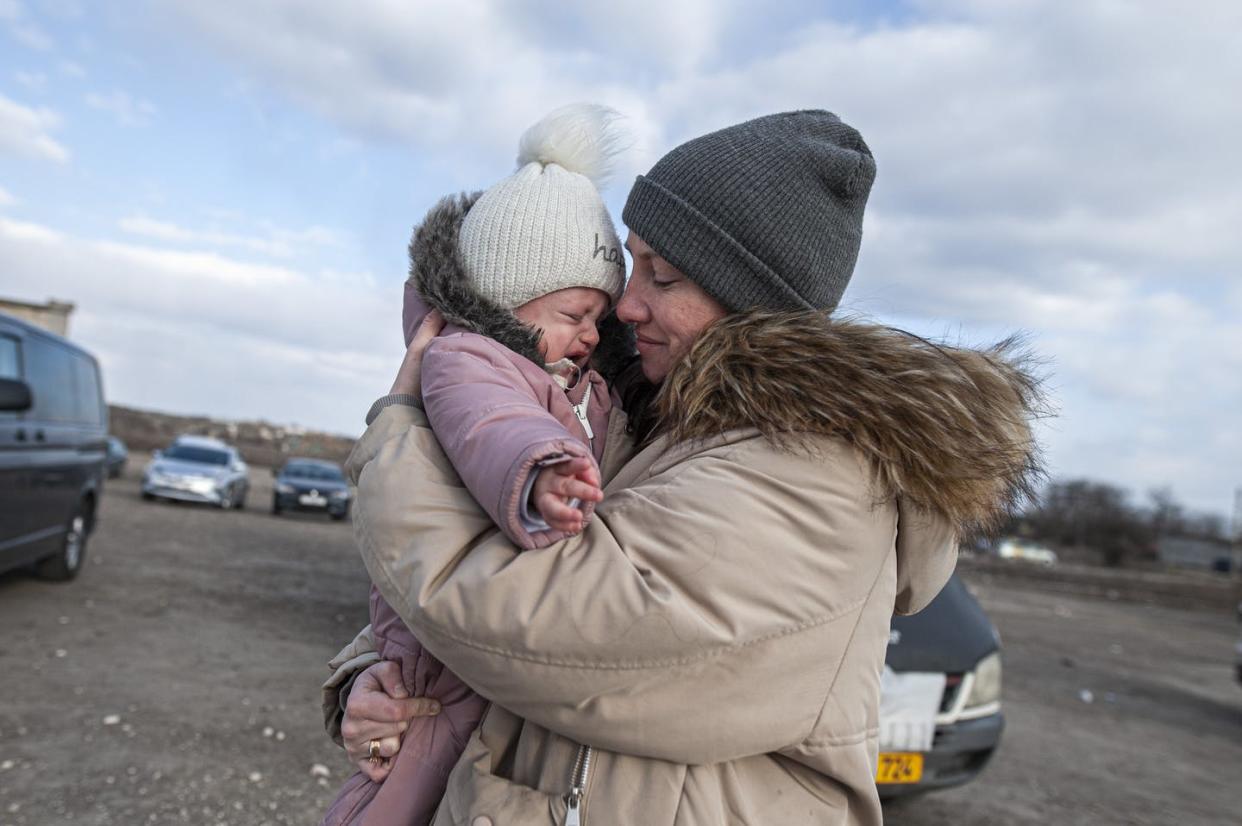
x=947, y=429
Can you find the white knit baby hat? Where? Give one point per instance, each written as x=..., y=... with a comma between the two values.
x=545, y=227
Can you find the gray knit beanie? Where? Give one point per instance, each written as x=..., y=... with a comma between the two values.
x=767, y=213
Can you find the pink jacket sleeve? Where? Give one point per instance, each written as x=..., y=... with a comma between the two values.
x=494, y=427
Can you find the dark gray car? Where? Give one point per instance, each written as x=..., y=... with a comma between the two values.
x=118, y=456
x=954, y=637
x=311, y=485
x=53, y=441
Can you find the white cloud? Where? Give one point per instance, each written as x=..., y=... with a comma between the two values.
x=24, y=131
x=1070, y=168
x=6, y=198
x=128, y=111
x=276, y=241
x=426, y=75
x=190, y=331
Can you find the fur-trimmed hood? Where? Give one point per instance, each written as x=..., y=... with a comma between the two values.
x=946, y=429
x=438, y=281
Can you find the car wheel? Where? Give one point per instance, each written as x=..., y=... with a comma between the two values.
x=240, y=504
x=337, y=517
x=66, y=563
x=226, y=500
x=276, y=507
x=149, y=497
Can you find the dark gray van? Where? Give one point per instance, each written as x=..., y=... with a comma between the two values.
x=53, y=445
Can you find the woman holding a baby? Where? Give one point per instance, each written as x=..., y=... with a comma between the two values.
x=654, y=590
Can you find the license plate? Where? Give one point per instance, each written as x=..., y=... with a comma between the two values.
x=900, y=767
x=307, y=499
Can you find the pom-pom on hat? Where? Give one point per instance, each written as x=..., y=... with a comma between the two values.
x=545, y=227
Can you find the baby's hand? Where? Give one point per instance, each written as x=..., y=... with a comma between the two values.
x=557, y=485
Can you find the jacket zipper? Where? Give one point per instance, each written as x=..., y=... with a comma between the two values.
x=577, y=787
x=580, y=410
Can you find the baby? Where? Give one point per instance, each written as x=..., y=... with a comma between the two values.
x=523, y=275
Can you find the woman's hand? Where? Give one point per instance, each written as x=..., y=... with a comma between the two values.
x=408, y=381
x=558, y=485
x=379, y=710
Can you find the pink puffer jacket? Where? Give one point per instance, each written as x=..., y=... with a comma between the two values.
x=498, y=416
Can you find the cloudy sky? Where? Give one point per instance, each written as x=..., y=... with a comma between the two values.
x=226, y=189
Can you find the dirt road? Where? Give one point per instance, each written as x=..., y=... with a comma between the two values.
x=175, y=682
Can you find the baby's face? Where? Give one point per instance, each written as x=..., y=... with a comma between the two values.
x=568, y=320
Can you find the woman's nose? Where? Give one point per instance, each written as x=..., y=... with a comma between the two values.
x=630, y=308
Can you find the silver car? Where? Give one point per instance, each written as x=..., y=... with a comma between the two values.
x=198, y=469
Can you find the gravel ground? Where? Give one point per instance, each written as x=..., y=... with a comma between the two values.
x=176, y=682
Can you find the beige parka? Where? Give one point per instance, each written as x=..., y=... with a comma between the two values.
x=709, y=649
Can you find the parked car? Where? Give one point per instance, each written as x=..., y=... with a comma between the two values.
x=1237, y=646
x=952, y=637
x=118, y=456
x=311, y=485
x=198, y=469
x=53, y=440
x=1026, y=551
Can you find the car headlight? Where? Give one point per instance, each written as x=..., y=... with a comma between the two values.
x=283, y=488
x=986, y=687
x=340, y=494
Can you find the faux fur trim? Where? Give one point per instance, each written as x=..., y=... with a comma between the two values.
x=437, y=272
x=440, y=278
x=946, y=428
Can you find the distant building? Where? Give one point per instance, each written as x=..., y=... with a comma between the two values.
x=1204, y=554
x=52, y=316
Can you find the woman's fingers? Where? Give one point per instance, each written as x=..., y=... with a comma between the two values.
x=429, y=329
x=372, y=714
x=388, y=674
x=375, y=762
x=375, y=772
x=366, y=719
x=359, y=732
x=410, y=373
x=386, y=747
x=369, y=699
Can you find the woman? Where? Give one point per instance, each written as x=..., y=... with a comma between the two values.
x=709, y=649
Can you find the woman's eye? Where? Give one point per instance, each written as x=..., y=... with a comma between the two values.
x=576, y=319
x=664, y=285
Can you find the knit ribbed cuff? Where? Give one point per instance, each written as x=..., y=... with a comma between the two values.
x=388, y=401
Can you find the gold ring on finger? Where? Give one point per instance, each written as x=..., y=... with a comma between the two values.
x=373, y=753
